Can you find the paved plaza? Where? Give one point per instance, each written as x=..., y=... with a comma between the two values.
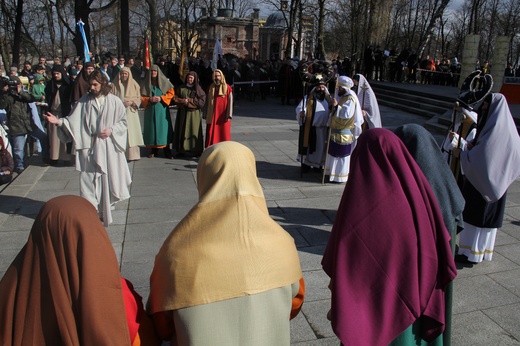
x=486, y=308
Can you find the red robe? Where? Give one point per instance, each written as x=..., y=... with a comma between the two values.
x=219, y=129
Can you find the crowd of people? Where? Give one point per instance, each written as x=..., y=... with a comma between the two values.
x=30, y=93
x=238, y=281
x=86, y=115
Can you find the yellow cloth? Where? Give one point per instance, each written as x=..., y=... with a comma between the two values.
x=227, y=246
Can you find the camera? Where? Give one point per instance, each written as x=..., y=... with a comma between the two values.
x=6, y=81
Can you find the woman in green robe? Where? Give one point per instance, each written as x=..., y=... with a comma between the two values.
x=190, y=99
x=156, y=95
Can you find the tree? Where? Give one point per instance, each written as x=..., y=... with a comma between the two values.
x=82, y=11
x=438, y=11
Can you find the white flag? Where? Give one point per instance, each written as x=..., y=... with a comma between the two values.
x=216, y=52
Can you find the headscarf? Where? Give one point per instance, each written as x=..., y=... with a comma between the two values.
x=81, y=84
x=389, y=255
x=196, y=93
x=131, y=90
x=196, y=84
x=427, y=153
x=222, y=89
x=163, y=83
x=64, y=287
x=64, y=76
x=368, y=100
x=241, y=251
x=494, y=161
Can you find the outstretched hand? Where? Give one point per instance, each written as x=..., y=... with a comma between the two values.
x=51, y=118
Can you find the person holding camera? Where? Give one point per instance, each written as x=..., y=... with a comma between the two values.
x=15, y=101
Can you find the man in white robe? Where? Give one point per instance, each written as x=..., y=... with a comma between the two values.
x=345, y=127
x=312, y=114
x=98, y=127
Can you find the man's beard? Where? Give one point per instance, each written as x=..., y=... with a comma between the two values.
x=320, y=94
x=217, y=82
x=94, y=93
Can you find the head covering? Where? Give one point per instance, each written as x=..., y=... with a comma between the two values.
x=242, y=252
x=196, y=92
x=389, y=255
x=81, y=83
x=64, y=76
x=368, y=100
x=163, y=83
x=494, y=161
x=64, y=287
x=128, y=92
x=475, y=88
x=427, y=153
x=195, y=82
x=38, y=77
x=345, y=82
x=222, y=89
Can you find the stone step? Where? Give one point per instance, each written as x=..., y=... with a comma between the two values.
x=432, y=102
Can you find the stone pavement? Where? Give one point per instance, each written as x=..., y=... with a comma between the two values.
x=486, y=306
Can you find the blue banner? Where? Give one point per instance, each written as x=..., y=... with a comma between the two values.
x=86, y=51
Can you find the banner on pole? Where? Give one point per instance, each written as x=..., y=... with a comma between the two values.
x=86, y=51
x=147, y=54
x=217, y=51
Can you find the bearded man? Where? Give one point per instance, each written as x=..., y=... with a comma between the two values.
x=312, y=114
x=219, y=110
x=128, y=90
x=97, y=125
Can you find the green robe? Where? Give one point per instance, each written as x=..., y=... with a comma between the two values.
x=187, y=136
x=158, y=129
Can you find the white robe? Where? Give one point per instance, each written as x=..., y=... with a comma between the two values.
x=477, y=243
x=337, y=168
x=448, y=145
x=321, y=117
x=369, y=103
x=105, y=178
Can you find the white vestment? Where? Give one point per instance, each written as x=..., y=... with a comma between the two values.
x=321, y=116
x=337, y=168
x=369, y=103
x=105, y=178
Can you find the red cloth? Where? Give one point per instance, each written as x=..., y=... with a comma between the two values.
x=132, y=308
x=220, y=128
x=388, y=256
